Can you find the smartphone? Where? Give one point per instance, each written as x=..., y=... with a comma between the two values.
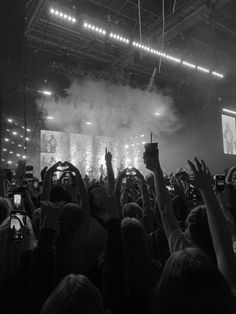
x=36, y=184
x=193, y=194
x=219, y=182
x=17, y=223
x=17, y=200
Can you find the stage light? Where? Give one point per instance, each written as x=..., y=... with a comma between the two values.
x=119, y=38
x=89, y=123
x=157, y=114
x=21, y=136
x=7, y=130
x=218, y=74
x=14, y=133
x=4, y=149
x=126, y=146
x=6, y=139
x=203, y=69
x=22, y=127
x=190, y=65
x=27, y=139
x=18, y=155
x=9, y=162
x=143, y=143
x=24, y=157
x=94, y=28
x=3, y=160
x=229, y=111
x=142, y=135
x=49, y=118
x=13, y=143
x=19, y=145
x=47, y=93
x=10, y=120
x=171, y=58
x=63, y=15
x=28, y=130
x=10, y=152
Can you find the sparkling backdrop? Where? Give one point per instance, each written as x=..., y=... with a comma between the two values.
x=87, y=152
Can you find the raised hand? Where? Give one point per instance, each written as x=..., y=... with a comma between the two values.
x=152, y=160
x=201, y=175
x=108, y=156
x=54, y=167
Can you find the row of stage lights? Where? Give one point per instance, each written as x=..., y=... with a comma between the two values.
x=8, y=141
x=135, y=44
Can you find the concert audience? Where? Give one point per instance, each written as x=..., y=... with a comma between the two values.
x=160, y=244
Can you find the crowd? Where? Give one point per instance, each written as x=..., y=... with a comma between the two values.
x=163, y=245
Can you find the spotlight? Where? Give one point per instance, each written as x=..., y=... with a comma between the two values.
x=7, y=130
x=190, y=65
x=47, y=93
x=119, y=38
x=4, y=149
x=218, y=74
x=14, y=133
x=19, y=145
x=18, y=155
x=21, y=136
x=49, y=118
x=94, y=28
x=9, y=162
x=203, y=69
x=143, y=143
x=126, y=146
x=89, y=123
x=142, y=135
x=3, y=160
x=6, y=139
x=28, y=130
x=10, y=120
x=157, y=114
x=27, y=139
x=10, y=152
x=24, y=157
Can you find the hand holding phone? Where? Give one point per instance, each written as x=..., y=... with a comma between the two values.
x=17, y=198
x=17, y=224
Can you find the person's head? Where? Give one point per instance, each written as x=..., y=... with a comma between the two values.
x=135, y=245
x=10, y=252
x=74, y=295
x=69, y=222
x=198, y=231
x=58, y=194
x=5, y=208
x=132, y=210
x=191, y=284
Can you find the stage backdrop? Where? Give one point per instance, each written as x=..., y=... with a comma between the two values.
x=87, y=152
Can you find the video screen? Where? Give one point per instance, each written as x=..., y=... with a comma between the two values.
x=229, y=134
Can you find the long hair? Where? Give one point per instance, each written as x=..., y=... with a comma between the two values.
x=192, y=284
x=10, y=252
x=75, y=294
x=199, y=231
x=136, y=257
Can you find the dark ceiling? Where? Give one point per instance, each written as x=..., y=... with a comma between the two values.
x=201, y=31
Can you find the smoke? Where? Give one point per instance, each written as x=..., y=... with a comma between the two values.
x=101, y=108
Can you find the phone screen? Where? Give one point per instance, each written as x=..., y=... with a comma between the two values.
x=17, y=200
x=35, y=184
x=17, y=222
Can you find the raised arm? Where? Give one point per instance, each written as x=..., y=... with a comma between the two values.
x=168, y=218
x=110, y=173
x=229, y=176
x=83, y=193
x=46, y=192
x=220, y=233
